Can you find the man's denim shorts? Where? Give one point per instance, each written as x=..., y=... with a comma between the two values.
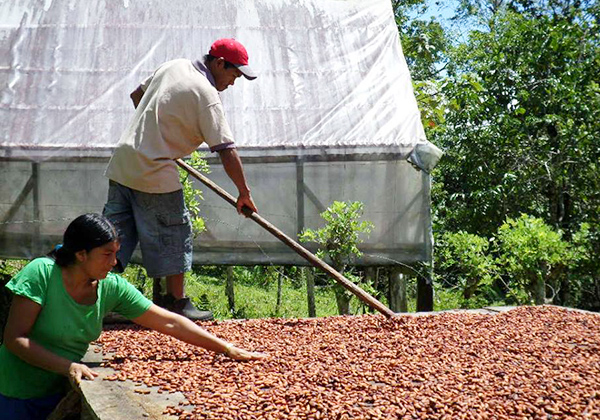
x=161, y=224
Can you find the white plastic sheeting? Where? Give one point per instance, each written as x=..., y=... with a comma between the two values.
x=331, y=73
x=333, y=88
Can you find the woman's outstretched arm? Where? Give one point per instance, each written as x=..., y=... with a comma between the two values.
x=159, y=319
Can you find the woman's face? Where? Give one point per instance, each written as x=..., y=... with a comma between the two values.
x=98, y=262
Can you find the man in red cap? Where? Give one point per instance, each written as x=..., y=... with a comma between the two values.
x=177, y=109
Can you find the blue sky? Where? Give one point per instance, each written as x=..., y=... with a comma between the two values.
x=442, y=10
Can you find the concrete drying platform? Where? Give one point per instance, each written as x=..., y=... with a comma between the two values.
x=125, y=400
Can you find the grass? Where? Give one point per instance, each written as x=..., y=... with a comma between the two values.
x=254, y=297
x=255, y=291
x=252, y=301
x=255, y=294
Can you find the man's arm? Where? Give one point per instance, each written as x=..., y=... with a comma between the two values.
x=233, y=166
x=136, y=96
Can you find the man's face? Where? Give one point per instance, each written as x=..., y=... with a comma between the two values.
x=224, y=77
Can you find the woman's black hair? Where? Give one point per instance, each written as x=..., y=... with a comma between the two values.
x=86, y=232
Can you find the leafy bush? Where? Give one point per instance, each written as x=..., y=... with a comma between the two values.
x=584, y=274
x=339, y=240
x=191, y=195
x=466, y=264
x=8, y=268
x=530, y=252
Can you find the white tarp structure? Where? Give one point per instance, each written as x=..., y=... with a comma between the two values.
x=332, y=116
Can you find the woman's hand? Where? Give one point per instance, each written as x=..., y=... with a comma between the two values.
x=78, y=371
x=240, y=354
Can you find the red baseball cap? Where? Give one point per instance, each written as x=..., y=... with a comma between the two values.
x=233, y=52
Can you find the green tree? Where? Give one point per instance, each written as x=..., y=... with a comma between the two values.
x=513, y=98
x=531, y=254
x=585, y=270
x=425, y=45
x=191, y=195
x=539, y=62
x=339, y=240
x=522, y=121
x=467, y=263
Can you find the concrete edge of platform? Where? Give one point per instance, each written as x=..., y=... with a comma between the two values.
x=122, y=400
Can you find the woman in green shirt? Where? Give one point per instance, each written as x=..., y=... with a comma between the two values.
x=57, y=310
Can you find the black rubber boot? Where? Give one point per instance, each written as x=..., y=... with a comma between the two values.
x=186, y=308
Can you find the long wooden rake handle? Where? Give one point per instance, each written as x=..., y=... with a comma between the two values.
x=303, y=252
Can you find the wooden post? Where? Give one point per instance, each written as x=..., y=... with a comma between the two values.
x=37, y=214
x=372, y=279
x=306, y=254
x=310, y=291
x=229, y=290
x=299, y=196
x=424, y=295
x=397, y=287
x=279, y=287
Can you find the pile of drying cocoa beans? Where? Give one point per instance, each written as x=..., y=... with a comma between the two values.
x=528, y=363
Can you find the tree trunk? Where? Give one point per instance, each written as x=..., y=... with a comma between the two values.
x=229, y=290
x=538, y=290
x=596, y=304
x=561, y=211
x=341, y=298
x=343, y=301
x=397, y=287
x=310, y=291
x=565, y=296
x=470, y=288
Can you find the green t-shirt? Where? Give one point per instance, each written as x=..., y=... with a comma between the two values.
x=63, y=326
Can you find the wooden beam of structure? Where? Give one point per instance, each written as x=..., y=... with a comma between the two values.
x=18, y=202
x=295, y=246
